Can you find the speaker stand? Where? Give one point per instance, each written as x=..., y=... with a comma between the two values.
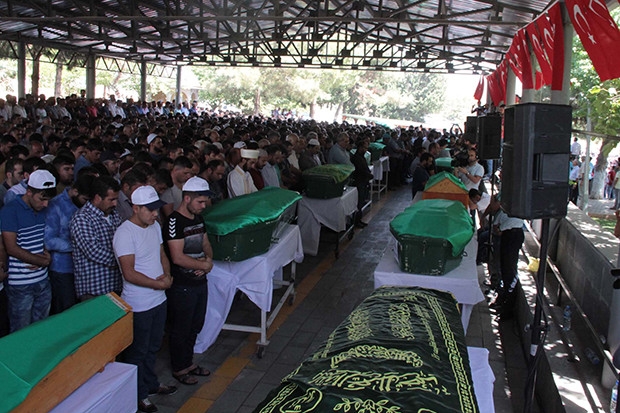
x=539, y=326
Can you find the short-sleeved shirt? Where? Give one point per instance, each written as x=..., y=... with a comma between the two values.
x=191, y=231
x=144, y=244
x=474, y=170
x=29, y=226
x=173, y=196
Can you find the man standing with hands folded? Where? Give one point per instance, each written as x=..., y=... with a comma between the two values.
x=138, y=246
x=23, y=229
x=192, y=259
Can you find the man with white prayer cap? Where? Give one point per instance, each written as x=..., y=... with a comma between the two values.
x=239, y=179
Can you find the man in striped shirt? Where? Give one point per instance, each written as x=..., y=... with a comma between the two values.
x=23, y=229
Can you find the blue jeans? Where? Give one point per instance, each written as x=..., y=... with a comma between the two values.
x=28, y=303
x=148, y=332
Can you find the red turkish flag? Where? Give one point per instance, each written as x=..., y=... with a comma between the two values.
x=479, y=89
x=494, y=89
x=546, y=72
x=540, y=81
x=599, y=35
x=552, y=30
x=502, y=75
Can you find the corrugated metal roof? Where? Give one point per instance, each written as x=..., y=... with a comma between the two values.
x=409, y=35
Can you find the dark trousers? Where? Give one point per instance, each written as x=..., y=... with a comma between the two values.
x=63, y=291
x=512, y=240
x=148, y=332
x=395, y=175
x=188, y=306
x=4, y=313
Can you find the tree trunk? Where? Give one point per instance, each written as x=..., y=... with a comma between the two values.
x=313, y=109
x=338, y=113
x=257, y=102
x=58, y=81
x=600, y=169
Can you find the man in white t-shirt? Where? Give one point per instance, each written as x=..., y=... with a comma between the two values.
x=138, y=246
x=472, y=174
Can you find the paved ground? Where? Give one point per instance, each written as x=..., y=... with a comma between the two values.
x=328, y=290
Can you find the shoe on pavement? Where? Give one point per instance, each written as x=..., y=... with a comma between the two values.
x=146, y=406
x=163, y=390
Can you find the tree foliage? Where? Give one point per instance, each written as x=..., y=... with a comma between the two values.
x=408, y=96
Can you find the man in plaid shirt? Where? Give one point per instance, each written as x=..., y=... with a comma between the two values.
x=92, y=230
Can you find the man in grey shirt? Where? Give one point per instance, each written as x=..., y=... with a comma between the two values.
x=338, y=154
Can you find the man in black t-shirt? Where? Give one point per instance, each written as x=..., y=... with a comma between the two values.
x=421, y=173
x=191, y=259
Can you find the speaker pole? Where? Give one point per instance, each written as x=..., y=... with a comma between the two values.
x=538, y=329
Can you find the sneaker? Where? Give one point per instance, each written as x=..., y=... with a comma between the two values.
x=146, y=406
x=163, y=390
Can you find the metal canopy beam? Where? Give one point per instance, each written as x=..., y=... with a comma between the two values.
x=466, y=36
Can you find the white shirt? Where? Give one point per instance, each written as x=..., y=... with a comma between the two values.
x=474, y=170
x=240, y=183
x=575, y=148
x=144, y=244
x=293, y=160
x=505, y=222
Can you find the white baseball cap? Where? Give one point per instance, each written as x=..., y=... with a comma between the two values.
x=196, y=184
x=314, y=142
x=147, y=196
x=239, y=145
x=42, y=179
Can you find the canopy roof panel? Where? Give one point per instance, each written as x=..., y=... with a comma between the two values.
x=468, y=36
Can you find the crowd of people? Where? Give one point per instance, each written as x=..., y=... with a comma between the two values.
x=102, y=196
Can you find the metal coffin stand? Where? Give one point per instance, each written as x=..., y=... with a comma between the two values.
x=265, y=322
x=255, y=277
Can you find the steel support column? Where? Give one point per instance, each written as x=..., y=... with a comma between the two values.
x=511, y=87
x=91, y=77
x=21, y=69
x=178, y=95
x=143, y=75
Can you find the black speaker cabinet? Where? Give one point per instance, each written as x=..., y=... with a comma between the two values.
x=471, y=129
x=489, y=136
x=535, y=160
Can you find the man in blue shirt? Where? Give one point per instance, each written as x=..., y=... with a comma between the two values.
x=58, y=241
x=23, y=224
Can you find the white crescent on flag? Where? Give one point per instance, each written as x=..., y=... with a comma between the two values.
x=603, y=11
x=580, y=20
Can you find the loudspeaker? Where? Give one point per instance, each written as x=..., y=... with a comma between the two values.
x=471, y=129
x=535, y=161
x=489, y=136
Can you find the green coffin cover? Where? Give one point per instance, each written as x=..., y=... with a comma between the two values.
x=366, y=155
x=444, y=175
x=444, y=163
x=401, y=351
x=30, y=354
x=376, y=146
x=243, y=211
x=339, y=173
x=436, y=218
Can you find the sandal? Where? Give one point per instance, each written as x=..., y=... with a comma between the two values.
x=186, y=378
x=199, y=371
